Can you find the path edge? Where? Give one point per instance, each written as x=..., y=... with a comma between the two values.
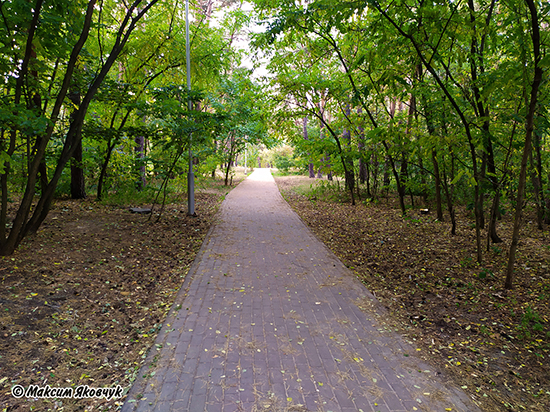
x=140, y=382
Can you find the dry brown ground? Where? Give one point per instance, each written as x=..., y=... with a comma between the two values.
x=494, y=343
x=83, y=300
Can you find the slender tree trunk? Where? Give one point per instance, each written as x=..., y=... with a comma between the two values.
x=367, y=180
x=401, y=182
x=396, y=175
x=105, y=164
x=139, y=151
x=536, y=174
x=78, y=186
x=363, y=171
x=363, y=174
x=386, y=177
x=4, y=200
x=537, y=79
x=375, y=173
x=492, y=219
x=213, y=173
x=306, y=137
x=437, y=177
x=229, y=160
x=349, y=174
x=449, y=197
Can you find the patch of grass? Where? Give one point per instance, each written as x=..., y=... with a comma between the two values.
x=531, y=324
x=485, y=274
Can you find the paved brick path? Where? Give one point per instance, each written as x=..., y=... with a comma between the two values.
x=269, y=320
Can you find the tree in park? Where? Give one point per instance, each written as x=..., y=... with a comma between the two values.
x=38, y=63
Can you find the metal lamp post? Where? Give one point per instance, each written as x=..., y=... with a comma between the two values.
x=190, y=174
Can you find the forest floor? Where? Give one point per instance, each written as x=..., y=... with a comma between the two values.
x=83, y=300
x=494, y=343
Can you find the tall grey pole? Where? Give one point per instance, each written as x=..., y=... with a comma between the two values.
x=245, y=151
x=190, y=174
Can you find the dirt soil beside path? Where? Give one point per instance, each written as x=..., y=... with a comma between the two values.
x=82, y=301
x=494, y=343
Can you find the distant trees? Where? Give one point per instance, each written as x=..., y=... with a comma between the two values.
x=242, y=109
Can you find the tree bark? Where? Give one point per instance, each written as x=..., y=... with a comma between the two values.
x=536, y=178
x=349, y=174
x=537, y=79
x=139, y=151
x=437, y=178
x=103, y=171
x=78, y=185
x=306, y=137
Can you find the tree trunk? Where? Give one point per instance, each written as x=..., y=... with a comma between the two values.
x=367, y=180
x=536, y=175
x=375, y=172
x=537, y=79
x=78, y=186
x=4, y=200
x=139, y=151
x=449, y=197
x=227, y=169
x=349, y=173
x=306, y=137
x=229, y=161
x=361, y=146
x=492, y=220
x=103, y=173
x=363, y=171
x=439, y=208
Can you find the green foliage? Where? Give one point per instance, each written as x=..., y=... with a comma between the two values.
x=125, y=192
x=283, y=162
x=485, y=274
x=531, y=324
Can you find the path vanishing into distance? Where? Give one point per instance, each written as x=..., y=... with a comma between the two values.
x=268, y=319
